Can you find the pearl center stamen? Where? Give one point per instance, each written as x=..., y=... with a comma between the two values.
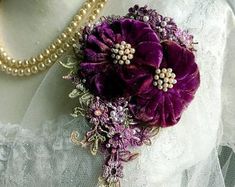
x=122, y=53
x=164, y=79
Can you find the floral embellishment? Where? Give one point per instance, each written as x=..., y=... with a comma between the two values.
x=133, y=75
x=165, y=109
x=98, y=67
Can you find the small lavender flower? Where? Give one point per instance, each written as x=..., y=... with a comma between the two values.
x=98, y=112
x=113, y=171
x=184, y=38
x=119, y=111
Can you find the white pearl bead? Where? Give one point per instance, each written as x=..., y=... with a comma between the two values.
x=168, y=74
x=122, y=47
x=145, y=18
x=113, y=55
x=158, y=71
x=128, y=46
x=162, y=75
x=121, y=52
x=115, y=61
x=156, y=77
x=171, y=80
x=160, y=87
x=154, y=83
x=130, y=56
x=173, y=75
x=166, y=79
x=170, y=86
x=127, y=62
x=124, y=57
x=163, y=23
x=174, y=81
x=132, y=50
x=123, y=43
x=127, y=51
x=117, y=45
x=165, y=89
x=169, y=70
x=165, y=85
x=121, y=62
x=118, y=57
x=160, y=82
x=115, y=51
x=164, y=70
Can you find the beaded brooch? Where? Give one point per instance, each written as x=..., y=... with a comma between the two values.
x=133, y=75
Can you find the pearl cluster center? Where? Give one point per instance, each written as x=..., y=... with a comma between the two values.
x=164, y=79
x=122, y=53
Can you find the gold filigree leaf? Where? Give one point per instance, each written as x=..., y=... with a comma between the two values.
x=74, y=138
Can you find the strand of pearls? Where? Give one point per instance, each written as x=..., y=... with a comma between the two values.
x=89, y=10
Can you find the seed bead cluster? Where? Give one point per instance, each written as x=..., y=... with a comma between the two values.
x=122, y=53
x=164, y=79
x=57, y=48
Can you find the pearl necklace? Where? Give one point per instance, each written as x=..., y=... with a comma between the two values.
x=56, y=49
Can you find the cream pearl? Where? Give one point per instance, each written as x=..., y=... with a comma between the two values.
x=27, y=71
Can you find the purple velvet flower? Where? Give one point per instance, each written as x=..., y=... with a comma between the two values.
x=112, y=69
x=167, y=94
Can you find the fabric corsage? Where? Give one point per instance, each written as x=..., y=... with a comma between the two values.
x=133, y=75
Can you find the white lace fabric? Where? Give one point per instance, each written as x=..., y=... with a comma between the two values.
x=40, y=153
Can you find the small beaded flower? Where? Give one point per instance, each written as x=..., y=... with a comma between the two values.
x=133, y=75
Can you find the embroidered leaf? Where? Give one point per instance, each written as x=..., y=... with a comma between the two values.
x=147, y=142
x=74, y=137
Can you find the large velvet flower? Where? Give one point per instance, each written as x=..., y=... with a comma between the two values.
x=159, y=108
x=107, y=79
